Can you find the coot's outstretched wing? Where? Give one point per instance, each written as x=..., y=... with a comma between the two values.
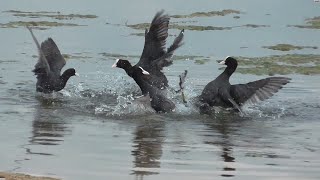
x=166, y=60
x=53, y=56
x=42, y=66
x=155, y=39
x=256, y=91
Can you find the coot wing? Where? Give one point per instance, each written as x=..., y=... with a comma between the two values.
x=155, y=39
x=53, y=56
x=256, y=91
x=166, y=59
x=42, y=66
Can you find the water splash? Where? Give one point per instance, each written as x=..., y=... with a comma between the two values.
x=118, y=96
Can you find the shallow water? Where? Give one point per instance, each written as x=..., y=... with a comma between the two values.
x=93, y=129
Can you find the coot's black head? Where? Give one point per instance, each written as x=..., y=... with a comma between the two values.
x=70, y=72
x=121, y=63
x=230, y=62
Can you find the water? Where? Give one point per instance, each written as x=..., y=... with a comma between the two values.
x=93, y=130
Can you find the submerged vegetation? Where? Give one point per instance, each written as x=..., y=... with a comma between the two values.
x=71, y=56
x=75, y=56
x=288, y=47
x=175, y=25
x=201, y=61
x=143, y=26
x=43, y=24
x=198, y=28
x=254, y=25
x=306, y=64
x=50, y=14
x=191, y=27
x=116, y=56
x=311, y=23
x=208, y=14
x=36, y=24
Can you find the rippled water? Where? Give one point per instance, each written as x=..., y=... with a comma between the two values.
x=94, y=130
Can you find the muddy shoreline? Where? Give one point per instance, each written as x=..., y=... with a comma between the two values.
x=19, y=176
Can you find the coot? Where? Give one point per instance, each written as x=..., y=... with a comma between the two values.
x=48, y=67
x=220, y=92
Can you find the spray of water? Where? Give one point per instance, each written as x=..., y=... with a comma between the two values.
x=119, y=96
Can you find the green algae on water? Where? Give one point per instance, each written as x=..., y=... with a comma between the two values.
x=44, y=24
x=197, y=59
x=254, y=25
x=75, y=56
x=117, y=56
x=50, y=14
x=175, y=25
x=189, y=57
x=142, y=34
x=143, y=26
x=208, y=14
x=201, y=61
x=288, y=47
x=198, y=28
x=36, y=24
x=311, y=23
x=70, y=56
x=140, y=26
x=306, y=64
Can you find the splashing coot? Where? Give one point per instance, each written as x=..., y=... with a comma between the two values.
x=154, y=56
x=49, y=65
x=158, y=99
x=220, y=92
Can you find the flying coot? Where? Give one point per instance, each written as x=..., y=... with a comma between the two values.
x=220, y=92
x=48, y=67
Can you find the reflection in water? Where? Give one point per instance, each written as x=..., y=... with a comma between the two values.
x=48, y=126
x=227, y=157
x=147, y=148
x=224, y=126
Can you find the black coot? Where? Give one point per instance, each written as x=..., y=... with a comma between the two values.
x=154, y=56
x=220, y=92
x=159, y=101
x=48, y=67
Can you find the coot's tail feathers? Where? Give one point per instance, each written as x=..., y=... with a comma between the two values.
x=166, y=60
x=256, y=91
x=42, y=67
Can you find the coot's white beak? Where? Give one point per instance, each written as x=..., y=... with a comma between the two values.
x=222, y=62
x=115, y=64
x=77, y=74
x=144, y=71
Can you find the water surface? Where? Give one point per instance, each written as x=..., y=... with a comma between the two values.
x=92, y=130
